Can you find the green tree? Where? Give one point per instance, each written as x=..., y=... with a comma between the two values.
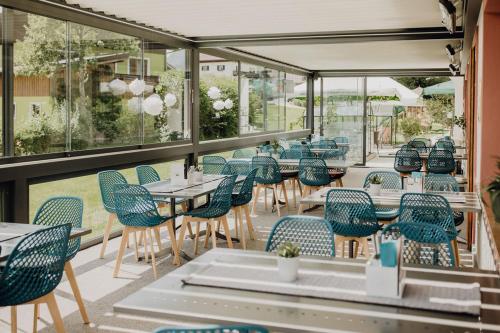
x=410, y=127
x=438, y=107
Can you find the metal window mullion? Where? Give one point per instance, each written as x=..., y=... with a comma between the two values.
x=365, y=116
x=321, y=119
x=68, y=87
x=238, y=70
x=142, y=75
x=8, y=82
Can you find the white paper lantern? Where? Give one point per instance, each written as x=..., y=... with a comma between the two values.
x=137, y=87
x=170, y=100
x=134, y=104
x=228, y=104
x=153, y=105
x=214, y=93
x=219, y=105
x=118, y=87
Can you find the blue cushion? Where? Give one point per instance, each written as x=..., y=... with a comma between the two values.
x=387, y=214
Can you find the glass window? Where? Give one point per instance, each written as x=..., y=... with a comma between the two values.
x=101, y=112
x=218, y=98
x=296, y=101
x=166, y=102
x=39, y=83
x=275, y=100
x=252, y=94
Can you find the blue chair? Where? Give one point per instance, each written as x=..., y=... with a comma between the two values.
x=240, y=168
x=215, y=210
x=291, y=173
x=57, y=211
x=216, y=329
x=137, y=211
x=291, y=154
x=331, y=144
x=244, y=153
x=352, y=216
x=33, y=270
x=314, y=235
x=444, y=183
x=304, y=150
x=444, y=145
x=344, y=149
x=418, y=145
x=313, y=173
x=441, y=162
x=430, y=209
x=107, y=181
x=390, y=181
x=407, y=161
x=332, y=154
x=213, y=165
x=423, y=243
x=268, y=176
x=241, y=197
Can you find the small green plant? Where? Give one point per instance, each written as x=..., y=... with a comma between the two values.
x=460, y=122
x=275, y=145
x=288, y=250
x=375, y=180
x=493, y=189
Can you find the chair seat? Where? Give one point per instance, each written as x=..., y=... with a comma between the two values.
x=285, y=174
x=335, y=174
x=406, y=168
x=204, y=211
x=458, y=218
x=387, y=214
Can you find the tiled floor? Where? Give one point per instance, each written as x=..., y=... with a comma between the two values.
x=100, y=291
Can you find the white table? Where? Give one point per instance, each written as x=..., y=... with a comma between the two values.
x=168, y=298
x=423, y=156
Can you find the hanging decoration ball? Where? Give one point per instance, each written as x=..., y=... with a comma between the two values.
x=118, y=87
x=219, y=105
x=214, y=93
x=153, y=105
x=228, y=104
x=137, y=87
x=170, y=100
x=134, y=104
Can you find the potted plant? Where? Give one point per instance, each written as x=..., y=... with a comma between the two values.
x=494, y=189
x=275, y=145
x=288, y=261
x=375, y=185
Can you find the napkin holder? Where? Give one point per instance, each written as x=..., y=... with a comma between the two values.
x=385, y=281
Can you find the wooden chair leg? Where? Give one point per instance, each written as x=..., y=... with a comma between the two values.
x=157, y=237
x=303, y=195
x=265, y=198
x=149, y=234
x=293, y=193
x=182, y=233
x=256, y=198
x=236, y=226
x=356, y=248
x=13, y=319
x=249, y=222
x=119, y=258
x=285, y=194
x=70, y=274
x=240, y=221
x=36, y=313
x=456, y=253
x=225, y=225
x=275, y=193
x=196, y=238
x=366, y=249
x=299, y=185
x=54, y=310
x=136, y=247
x=343, y=248
x=173, y=242
x=212, y=234
x=107, y=231
x=146, y=250
x=207, y=235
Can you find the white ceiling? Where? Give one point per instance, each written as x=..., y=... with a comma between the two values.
x=196, y=18
x=370, y=55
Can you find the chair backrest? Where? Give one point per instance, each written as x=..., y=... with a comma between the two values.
x=424, y=243
x=314, y=235
x=444, y=145
x=332, y=154
x=147, y=174
x=441, y=161
x=220, y=203
x=268, y=170
x=407, y=161
x=306, y=151
x=245, y=191
x=107, y=181
x=236, y=168
x=216, y=329
x=291, y=154
x=244, y=153
x=427, y=208
x=35, y=266
x=313, y=171
x=331, y=144
x=213, y=165
x=135, y=206
x=62, y=210
x=390, y=179
x=441, y=182
x=351, y=213
x=341, y=139
x=420, y=146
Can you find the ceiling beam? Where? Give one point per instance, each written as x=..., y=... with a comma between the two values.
x=385, y=72
x=332, y=37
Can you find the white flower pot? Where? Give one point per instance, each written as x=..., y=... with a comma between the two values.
x=198, y=176
x=374, y=189
x=288, y=268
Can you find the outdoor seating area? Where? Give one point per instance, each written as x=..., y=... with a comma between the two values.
x=337, y=175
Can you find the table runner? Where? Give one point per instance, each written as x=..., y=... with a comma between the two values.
x=330, y=284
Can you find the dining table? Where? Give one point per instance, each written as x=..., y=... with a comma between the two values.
x=231, y=286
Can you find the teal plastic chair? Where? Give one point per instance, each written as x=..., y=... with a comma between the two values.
x=390, y=180
x=407, y=161
x=34, y=269
x=146, y=174
x=332, y=154
x=444, y=145
x=244, y=153
x=352, y=216
x=216, y=209
x=216, y=329
x=107, y=181
x=213, y=165
x=314, y=235
x=418, y=145
x=444, y=183
x=441, y=162
x=313, y=172
x=240, y=168
x=291, y=154
x=268, y=176
x=137, y=211
x=423, y=243
x=343, y=149
x=304, y=150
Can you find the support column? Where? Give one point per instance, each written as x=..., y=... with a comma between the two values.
x=8, y=82
x=310, y=103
